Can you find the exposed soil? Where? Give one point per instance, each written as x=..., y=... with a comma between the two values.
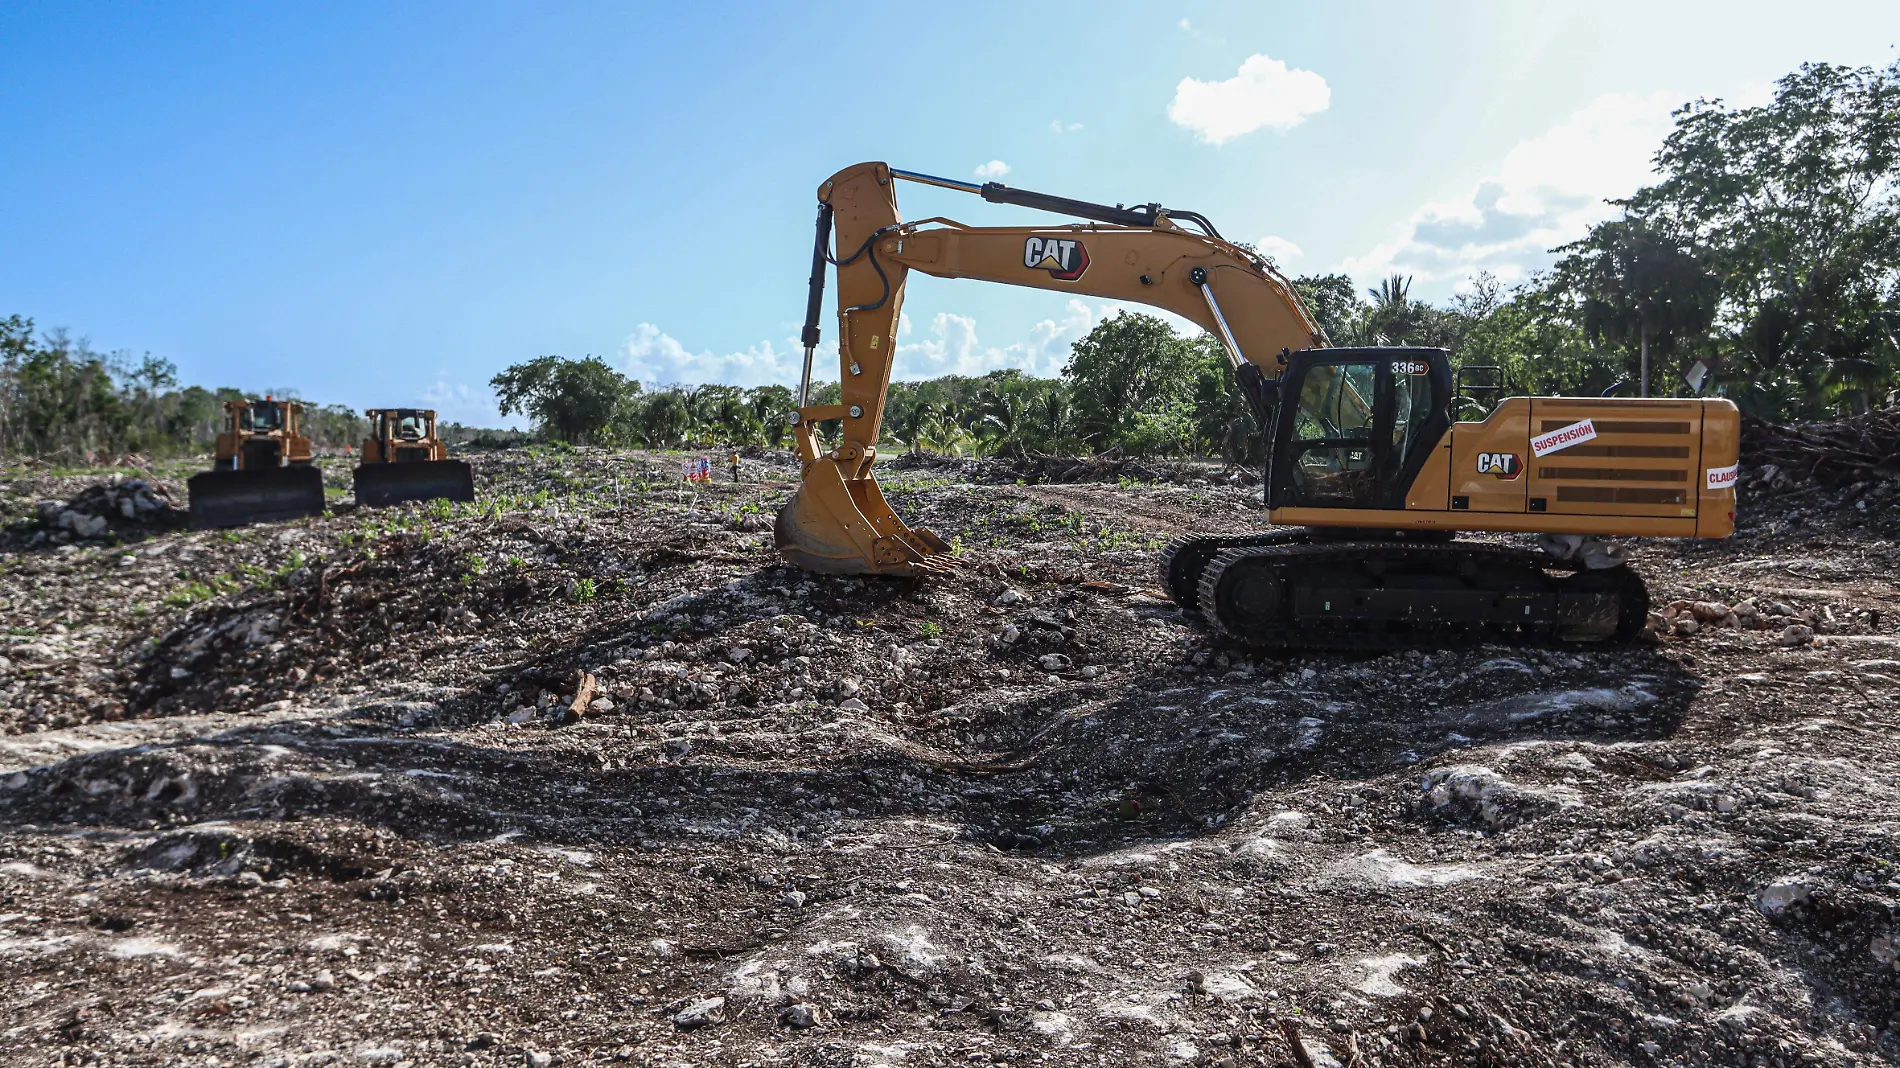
x=585, y=774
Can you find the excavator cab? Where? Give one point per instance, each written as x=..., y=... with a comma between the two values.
x=1356, y=425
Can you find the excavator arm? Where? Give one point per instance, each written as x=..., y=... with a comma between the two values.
x=839, y=522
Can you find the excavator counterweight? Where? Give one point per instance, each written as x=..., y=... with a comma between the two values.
x=1369, y=480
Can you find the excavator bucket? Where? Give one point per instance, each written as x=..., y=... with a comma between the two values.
x=259, y=495
x=840, y=526
x=379, y=485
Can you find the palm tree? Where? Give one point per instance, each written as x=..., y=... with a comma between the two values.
x=1393, y=315
x=941, y=432
x=1055, y=421
x=1002, y=419
x=913, y=430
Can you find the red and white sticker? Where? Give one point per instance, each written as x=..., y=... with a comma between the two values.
x=1723, y=477
x=1563, y=437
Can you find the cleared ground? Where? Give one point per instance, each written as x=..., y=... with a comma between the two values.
x=315, y=793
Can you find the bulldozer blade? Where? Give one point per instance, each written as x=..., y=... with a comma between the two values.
x=260, y=495
x=835, y=527
x=379, y=485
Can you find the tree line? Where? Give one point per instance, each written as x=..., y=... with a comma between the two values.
x=63, y=401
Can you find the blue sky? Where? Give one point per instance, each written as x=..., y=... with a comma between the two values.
x=379, y=204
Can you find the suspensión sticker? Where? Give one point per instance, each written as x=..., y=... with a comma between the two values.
x=1563, y=437
x=1723, y=477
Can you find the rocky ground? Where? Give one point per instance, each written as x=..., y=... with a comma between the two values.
x=583, y=774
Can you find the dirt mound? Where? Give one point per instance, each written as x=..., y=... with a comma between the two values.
x=122, y=509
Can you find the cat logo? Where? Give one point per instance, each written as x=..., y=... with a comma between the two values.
x=1504, y=465
x=1062, y=257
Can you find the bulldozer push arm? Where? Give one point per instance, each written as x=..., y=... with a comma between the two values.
x=839, y=522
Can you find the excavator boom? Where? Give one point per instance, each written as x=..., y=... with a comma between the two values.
x=839, y=522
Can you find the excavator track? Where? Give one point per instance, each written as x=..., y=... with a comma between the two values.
x=1402, y=594
x=1186, y=557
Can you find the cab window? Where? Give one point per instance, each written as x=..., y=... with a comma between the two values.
x=1333, y=456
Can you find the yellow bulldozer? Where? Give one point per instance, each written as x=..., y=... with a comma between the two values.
x=1369, y=479
x=404, y=460
x=261, y=470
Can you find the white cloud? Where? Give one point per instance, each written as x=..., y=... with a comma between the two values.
x=457, y=402
x=1058, y=126
x=950, y=346
x=1185, y=26
x=657, y=359
x=1547, y=191
x=953, y=348
x=1279, y=249
x=992, y=170
x=1265, y=92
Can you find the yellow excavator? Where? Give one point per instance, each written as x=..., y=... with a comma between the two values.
x=261, y=471
x=403, y=460
x=1369, y=479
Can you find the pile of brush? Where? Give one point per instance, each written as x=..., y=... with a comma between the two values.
x=1863, y=448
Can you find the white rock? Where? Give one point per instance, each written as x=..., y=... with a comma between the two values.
x=1782, y=894
x=1054, y=662
x=1795, y=634
x=1009, y=596
x=701, y=1013
x=792, y=899
x=853, y=705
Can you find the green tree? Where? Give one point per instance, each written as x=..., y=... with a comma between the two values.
x=1642, y=289
x=1126, y=366
x=1334, y=302
x=1795, y=205
x=574, y=401
x=1003, y=418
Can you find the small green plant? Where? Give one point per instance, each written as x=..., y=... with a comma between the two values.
x=441, y=508
x=582, y=591
x=189, y=594
x=930, y=629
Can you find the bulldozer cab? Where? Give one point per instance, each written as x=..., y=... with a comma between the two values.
x=258, y=417
x=1355, y=425
x=404, y=424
